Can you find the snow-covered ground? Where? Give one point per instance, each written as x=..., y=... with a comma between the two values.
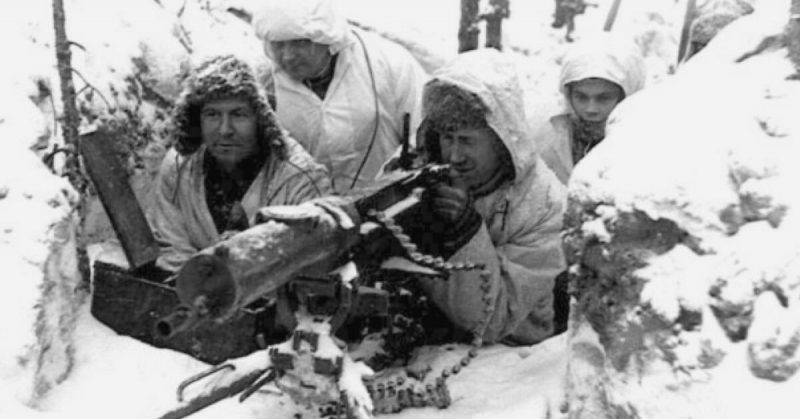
x=122, y=378
x=113, y=376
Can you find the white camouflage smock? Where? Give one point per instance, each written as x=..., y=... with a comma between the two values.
x=372, y=78
x=182, y=222
x=519, y=240
x=604, y=56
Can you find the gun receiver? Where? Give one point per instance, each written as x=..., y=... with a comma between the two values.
x=403, y=188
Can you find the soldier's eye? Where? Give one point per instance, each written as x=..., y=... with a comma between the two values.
x=605, y=98
x=209, y=113
x=446, y=139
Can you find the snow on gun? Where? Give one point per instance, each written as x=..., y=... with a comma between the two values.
x=287, y=240
x=218, y=281
x=309, y=239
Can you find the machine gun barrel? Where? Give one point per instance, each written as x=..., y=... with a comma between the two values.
x=181, y=319
x=235, y=272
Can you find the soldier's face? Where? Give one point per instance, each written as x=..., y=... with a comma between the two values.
x=474, y=155
x=594, y=99
x=229, y=129
x=302, y=59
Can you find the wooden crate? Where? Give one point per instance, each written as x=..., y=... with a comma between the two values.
x=132, y=304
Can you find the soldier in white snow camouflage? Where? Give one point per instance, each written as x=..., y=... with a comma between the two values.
x=596, y=75
x=230, y=159
x=341, y=92
x=502, y=206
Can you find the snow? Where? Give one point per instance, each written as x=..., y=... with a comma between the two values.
x=116, y=376
x=721, y=167
x=506, y=382
x=121, y=376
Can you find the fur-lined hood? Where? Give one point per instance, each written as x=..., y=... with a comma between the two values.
x=492, y=77
x=221, y=77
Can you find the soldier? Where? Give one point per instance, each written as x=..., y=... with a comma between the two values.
x=230, y=159
x=341, y=92
x=565, y=13
x=501, y=206
x=596, y=75
x=559, y=16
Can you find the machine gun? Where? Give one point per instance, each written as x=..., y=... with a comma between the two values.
x=308, y=240
x=299, y=246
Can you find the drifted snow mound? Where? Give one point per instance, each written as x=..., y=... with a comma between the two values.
x=42, y=289
x=684, y=241
x=127, y=57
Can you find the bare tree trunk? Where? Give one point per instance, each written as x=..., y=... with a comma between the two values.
x=494, y=23
x=71, y=118
x=792, y=36
x=612, y=16
x=468, y=30
x=683, y=45
x=69, y=123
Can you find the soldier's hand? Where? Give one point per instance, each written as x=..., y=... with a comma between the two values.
x=453, y=205
x=237, y=220
x=450, y=203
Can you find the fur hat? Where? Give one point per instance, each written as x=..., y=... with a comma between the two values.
x=222, y=77
x=447, y=107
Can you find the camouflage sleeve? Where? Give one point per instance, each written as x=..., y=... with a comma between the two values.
x=167, y=221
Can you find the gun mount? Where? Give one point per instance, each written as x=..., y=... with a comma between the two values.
x=299, y=246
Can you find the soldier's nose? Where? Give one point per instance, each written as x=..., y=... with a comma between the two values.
x=226, y=127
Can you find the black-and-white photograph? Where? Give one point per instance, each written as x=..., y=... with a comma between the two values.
x=358, y=209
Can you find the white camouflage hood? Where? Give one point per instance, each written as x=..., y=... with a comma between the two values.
x=317, y=20
x=492, y=76
x=604, y=56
